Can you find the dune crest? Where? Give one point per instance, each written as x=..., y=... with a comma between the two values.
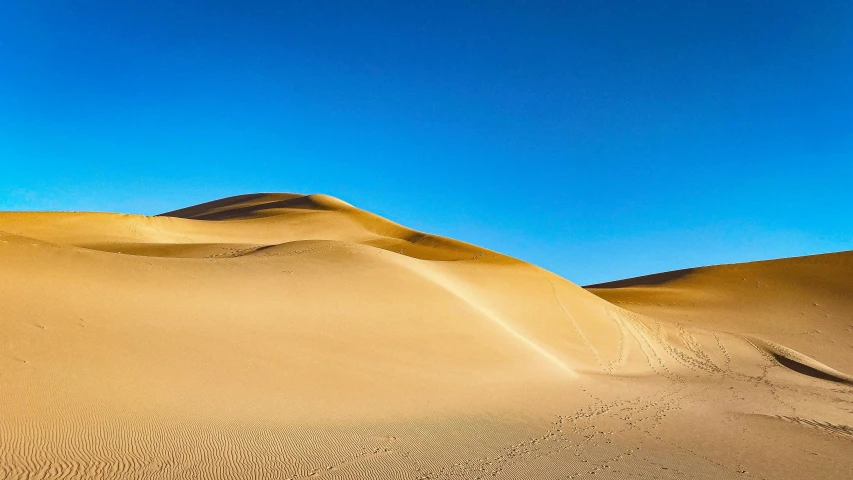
x=296, y=336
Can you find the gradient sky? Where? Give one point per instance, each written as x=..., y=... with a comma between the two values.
x=598, y=139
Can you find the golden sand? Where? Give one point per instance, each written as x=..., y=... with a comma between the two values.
x=290, y=336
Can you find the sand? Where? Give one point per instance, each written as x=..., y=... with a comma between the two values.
x=291, y=336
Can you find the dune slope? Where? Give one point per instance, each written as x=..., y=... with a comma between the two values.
x=297, y=336
x=803, y=303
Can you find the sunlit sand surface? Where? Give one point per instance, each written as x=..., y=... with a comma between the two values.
x=289, y=336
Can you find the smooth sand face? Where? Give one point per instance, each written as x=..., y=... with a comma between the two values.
x=291, y=336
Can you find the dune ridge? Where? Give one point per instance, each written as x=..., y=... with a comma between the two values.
x=297, y=336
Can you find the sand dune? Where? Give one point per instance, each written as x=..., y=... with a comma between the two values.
x=803, y=303
x=293, y=336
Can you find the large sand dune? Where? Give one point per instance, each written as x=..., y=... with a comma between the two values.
x=290, y=336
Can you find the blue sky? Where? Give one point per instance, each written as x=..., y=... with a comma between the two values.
x=597, y=139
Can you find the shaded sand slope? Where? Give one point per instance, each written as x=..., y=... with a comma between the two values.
x=293, y=336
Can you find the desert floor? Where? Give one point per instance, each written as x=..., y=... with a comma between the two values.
x=290, y=336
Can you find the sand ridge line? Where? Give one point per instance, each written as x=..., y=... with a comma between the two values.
x=467, y=294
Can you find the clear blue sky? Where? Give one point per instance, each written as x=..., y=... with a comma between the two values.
x=598, y=139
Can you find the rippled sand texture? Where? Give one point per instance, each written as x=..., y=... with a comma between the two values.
x=290, y=336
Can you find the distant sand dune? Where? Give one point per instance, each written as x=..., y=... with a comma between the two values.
x=297, y=336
